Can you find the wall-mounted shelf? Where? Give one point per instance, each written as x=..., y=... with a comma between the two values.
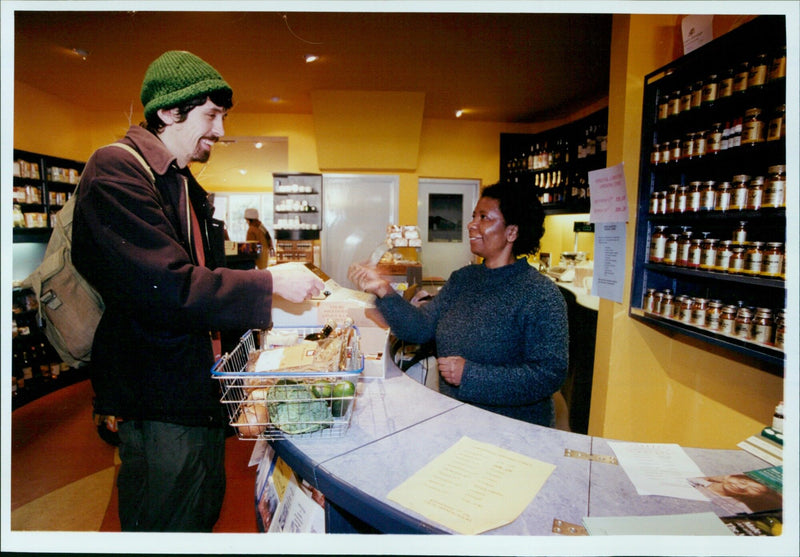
x=556, y=162
x=42, y=185
x=733, y=83
x=297, y=206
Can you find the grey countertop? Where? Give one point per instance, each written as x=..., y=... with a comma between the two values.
x=398, y=426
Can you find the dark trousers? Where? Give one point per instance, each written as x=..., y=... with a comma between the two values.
x=172, y=477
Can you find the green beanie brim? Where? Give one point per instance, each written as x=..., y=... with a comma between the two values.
x=176, y=77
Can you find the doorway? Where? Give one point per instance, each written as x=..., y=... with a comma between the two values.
x=444, y=207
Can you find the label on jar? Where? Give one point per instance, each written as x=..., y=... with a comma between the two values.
x=663, y=109
x=671, y=252
x=774, y=195
x=714, y=141
x=776, y=129
x=743, y=329
x=699, y=316
x=723, y=258
x=713, y=319
x=695, y=256
x=709, y=259
x=762, y=331
x=753, y=262
x=657, y=248
x=723, y=200
x=755, y=196
x=758, y=75
x=695, y=201
x=752, y=132
x=772, y=264
x=727, y=325
x=739, y=200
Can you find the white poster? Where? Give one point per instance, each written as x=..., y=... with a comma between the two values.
x=609, y=194
x=609, y=260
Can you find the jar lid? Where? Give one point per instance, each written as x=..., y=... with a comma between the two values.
x=696, y=184
x=715, y=303
x=741, y=178
x=724, y=186
x=763, y=311
x=775, y=244
x=778, y=168
x=757, y=180
x=752, y=112
x=709, y=183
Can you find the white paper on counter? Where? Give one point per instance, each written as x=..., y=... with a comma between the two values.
x=693, y=524
x=473, y=487
x=658, y=469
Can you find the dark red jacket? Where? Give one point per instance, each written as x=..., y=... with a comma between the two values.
x=152, y=355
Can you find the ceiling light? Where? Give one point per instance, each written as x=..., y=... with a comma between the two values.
x=81, y=52
x=275, y=99
x=258, y=145
x=459, y=112
x=311, y=58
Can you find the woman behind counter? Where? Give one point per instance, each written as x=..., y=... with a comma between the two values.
x=500, y=326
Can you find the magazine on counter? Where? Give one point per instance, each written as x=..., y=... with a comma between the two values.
x=756, y=524
x=744, y=493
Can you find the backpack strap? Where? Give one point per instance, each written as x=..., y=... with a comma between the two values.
x=137, y=156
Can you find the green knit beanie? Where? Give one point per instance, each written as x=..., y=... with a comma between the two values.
x=178, y=76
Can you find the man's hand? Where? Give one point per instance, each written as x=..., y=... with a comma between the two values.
x=295, y=284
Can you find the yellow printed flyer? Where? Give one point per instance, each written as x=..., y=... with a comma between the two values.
x=473, y=487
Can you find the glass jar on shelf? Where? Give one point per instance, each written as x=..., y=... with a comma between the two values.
x=775, y=189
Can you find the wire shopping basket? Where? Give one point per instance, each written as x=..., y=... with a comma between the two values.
x=299, y=402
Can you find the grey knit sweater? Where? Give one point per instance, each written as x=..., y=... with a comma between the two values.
x=509, y=324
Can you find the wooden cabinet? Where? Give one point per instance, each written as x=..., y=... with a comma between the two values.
x=713, y=144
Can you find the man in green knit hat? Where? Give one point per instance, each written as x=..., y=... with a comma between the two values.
x=144, y=236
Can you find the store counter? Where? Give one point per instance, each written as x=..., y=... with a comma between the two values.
x=399, y=426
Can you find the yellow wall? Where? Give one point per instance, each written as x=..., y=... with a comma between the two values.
x=648, y=384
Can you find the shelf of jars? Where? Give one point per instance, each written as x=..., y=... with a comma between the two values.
x=711, y=223
x=42, y=186
x=556, y=162
x=297, y=206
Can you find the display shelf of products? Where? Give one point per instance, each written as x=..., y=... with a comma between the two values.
x=709, y=257
x=42, y=185
x=37, y=369
x=297, y=206
x=556, y=162
x=296, y=251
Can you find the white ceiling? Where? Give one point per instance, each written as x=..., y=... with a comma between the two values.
x=501, y=67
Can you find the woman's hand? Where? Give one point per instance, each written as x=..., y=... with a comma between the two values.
x=366, y=278
x=451, y=368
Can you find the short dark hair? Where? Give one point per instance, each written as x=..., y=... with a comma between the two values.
x=222, y=98
x=521, y=207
